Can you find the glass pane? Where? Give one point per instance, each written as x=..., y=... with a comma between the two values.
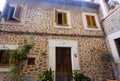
x=59, y=18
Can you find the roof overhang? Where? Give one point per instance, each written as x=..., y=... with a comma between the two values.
x=79, y=3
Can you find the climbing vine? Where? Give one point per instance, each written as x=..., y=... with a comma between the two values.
x=17, y=57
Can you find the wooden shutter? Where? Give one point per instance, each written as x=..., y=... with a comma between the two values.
x=18, y=13
x=12, y=61
x=93, y=21
x=6, y=11
x=88, y=20
x=56, y=16
x=64, y=19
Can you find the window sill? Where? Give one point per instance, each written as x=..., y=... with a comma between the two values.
x=88, y=28
x=62, y=26
x=5, y=69
x=11, y=23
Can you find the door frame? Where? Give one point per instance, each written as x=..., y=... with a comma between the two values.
x=53, y=43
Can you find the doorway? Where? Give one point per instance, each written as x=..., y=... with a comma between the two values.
x=63, y=64
x=117, y=42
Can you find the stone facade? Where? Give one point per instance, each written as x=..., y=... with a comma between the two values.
x=38, y=23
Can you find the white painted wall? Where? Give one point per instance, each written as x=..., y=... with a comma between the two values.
x=113, y=46
x=63, y=43
x=103, y=8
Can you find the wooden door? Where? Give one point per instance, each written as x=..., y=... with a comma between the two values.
x=63, y=64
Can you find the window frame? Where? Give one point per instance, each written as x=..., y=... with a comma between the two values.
x=68, y=26
x=2, y=58
x=86, y=27
x=31, y=63
x=22, y=22
x=5, y=47
x=117, y=45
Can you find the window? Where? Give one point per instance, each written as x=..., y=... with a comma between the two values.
x=117, y=41
x=62, y=18
x=11, y=13
x=31, y=61
x=5, y=59
x=90, y=21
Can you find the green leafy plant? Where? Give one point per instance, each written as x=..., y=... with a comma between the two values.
x=112, y=6
x=17, y=57
x=107, y=57
x=80, y=77
x=47, y=76
x=20, y=54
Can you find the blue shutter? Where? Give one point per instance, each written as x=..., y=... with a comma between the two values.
x=0, y=15
x=6, y=11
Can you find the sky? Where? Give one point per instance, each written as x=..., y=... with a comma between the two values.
x=2, y=3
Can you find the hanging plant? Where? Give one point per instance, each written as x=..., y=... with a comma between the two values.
x=112, y=6
x=107, y=57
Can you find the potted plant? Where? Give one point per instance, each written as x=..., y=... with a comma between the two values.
x=112, y=6
x=47, y=76
x=80, y=77
x=107, y=57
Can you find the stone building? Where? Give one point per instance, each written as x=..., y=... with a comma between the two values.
x=67, y=35
x=111, y=24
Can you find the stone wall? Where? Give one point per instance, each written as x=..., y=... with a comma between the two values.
x=40, y=18
x=89, y=50
x=39, y=23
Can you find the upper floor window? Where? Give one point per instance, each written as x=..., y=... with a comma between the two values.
x=90, y=21
x=11, y=13
x=62, y=18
